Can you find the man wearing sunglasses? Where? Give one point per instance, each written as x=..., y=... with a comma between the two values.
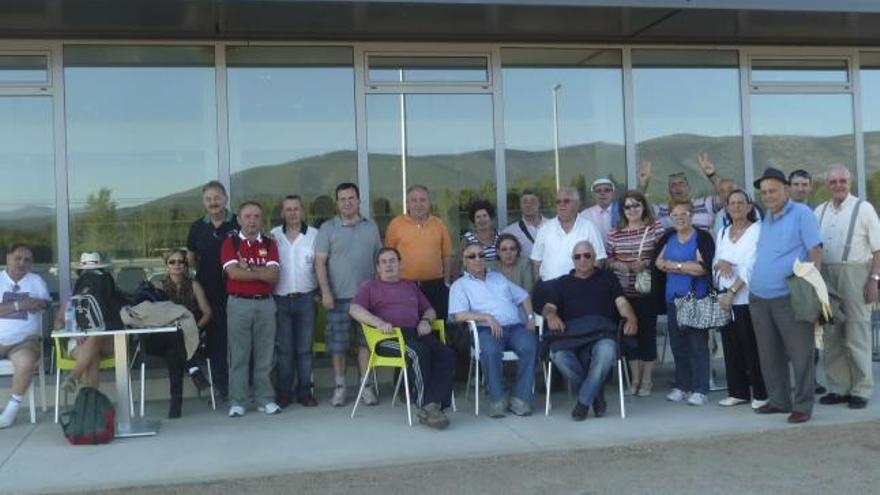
x=23, y=295
x=581, y=312
x=491, y=301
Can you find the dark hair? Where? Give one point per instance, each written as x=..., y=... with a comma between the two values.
x=18, y=245
x=800, y=173
x=348, y=185
x=417, y=187
x=292, y=197
x=215, y=184
x=480, y=204
x=647, y=211
x=509, y=237
x=249, y=202
x=532, y=192
x=752, y=215
x=179, y=251
x=384, y=250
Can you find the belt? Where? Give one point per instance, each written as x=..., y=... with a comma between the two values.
x=294, y=295
x=250, y=296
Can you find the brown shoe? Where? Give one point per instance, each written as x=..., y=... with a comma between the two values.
x=308, y=401
x=798, y=417
x=769, y=409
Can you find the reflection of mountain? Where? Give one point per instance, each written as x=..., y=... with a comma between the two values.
x=316, y=175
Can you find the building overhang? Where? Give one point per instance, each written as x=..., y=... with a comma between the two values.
x=787, y=22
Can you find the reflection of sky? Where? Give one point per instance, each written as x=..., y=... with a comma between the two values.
x=26, y=152
x=695, y=101
x=870, y=85
x=816, y=115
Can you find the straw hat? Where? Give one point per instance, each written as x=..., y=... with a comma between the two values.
x=91, y=261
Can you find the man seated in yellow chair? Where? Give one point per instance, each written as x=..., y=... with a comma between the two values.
x=389, y=302
x=23, y=295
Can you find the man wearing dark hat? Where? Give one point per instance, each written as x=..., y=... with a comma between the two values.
x=789, y=232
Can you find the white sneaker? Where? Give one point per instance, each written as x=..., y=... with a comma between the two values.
x=758, y=404
x=236, y=411
x=369, y=396
x=697, y=399
x=338, y=399
x=7, y=418
x=270, y=408
x=676, y=395
x=731, y=401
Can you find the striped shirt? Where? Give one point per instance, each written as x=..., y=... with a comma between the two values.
x=490, y=250
x=623, y=245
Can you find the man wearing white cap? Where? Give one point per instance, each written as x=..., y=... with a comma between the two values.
x=604, y=214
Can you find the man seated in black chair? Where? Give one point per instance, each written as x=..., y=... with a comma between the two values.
x=581, y=311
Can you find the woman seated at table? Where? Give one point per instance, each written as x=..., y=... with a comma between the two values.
x=88, y=351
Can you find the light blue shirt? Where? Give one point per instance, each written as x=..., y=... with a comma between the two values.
x=784, y=238
x=496, y=296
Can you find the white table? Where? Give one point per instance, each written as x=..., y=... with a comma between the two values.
x=126, y=426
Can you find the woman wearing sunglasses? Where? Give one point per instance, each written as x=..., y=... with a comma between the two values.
x=511, y=264
x=181, y=289
x=631, y=246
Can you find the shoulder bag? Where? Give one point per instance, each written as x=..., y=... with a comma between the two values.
x=643, y=278
x=700, y=313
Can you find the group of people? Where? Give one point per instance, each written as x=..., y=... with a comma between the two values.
x=597, y=278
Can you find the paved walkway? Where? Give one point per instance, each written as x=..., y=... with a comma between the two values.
x=206, y=445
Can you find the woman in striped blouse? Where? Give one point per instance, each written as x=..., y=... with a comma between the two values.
x=630, y=248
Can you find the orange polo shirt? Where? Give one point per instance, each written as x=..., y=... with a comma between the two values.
x=422, y=247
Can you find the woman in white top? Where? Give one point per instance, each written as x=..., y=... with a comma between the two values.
x=732, y=269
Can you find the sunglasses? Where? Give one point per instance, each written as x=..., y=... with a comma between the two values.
x=474, y=256
x=176, y=262
x=578, y=256
x=632, y=206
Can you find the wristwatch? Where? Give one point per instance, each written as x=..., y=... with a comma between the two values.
x=678, y=266
x=875, y=277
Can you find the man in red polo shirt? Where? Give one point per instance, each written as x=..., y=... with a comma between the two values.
x=250, y=262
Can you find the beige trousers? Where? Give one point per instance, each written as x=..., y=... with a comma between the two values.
x=848, y=345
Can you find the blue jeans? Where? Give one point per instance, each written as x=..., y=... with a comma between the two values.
x=690, y=350
x=586, y=368
x=293, y=343
x=524, y=344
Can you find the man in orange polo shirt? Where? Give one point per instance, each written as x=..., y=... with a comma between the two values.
x=250, y=261
x=425, y=247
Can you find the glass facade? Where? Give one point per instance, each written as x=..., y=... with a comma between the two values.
x=140, y=130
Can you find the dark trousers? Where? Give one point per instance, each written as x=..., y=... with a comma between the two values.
x=431, y=365
x=741, y=361
x=217, y=347
x=645, y=348
x=169, y=346
x=437, y=294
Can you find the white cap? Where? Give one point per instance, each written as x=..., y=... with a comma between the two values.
x=599, y=182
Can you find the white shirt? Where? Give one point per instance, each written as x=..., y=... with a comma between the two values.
x=601, y=218
x=17, y=326
x=297, y=274
x=740, y=254
x=835, y=225
x=515, y=230
x=553, y=246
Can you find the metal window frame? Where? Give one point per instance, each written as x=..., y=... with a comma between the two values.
x=29, y=87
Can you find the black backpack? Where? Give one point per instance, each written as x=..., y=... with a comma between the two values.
x=100, y=285
x=92, y=420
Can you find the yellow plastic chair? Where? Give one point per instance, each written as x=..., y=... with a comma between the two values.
x=319, y=344
x=438, y=326
x=374, y=336
x=64, y=361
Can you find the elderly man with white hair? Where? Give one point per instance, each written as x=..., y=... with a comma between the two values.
x=581, y=313
x=850, y=232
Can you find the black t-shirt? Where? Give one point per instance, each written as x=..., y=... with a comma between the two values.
x=575, y=297
x=205, y=241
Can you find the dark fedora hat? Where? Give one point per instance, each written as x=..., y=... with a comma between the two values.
x=771, y=173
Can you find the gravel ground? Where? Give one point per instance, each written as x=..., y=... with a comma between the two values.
x=799, y=460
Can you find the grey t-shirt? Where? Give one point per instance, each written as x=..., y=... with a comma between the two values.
x=351, y=250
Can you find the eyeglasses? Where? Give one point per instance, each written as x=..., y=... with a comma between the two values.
x=176, y=262
x=632, y=206
x=474, y=256
x=578, y=256
x=564, y=201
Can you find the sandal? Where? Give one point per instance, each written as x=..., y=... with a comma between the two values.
x=69, y=385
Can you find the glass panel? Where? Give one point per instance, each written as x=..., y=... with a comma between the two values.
x=428, y=69
x=27, y=165
x=291, y=125
x=787, y=135
x=141, y=140
x=799, y=70
x=18, y=69
x=442, y=141
x=685, y=107
x=870, y=85
x=585, y=87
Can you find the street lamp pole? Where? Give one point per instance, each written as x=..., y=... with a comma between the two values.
x=555, y=93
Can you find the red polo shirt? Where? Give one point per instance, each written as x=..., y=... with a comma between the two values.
x=261, y=252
